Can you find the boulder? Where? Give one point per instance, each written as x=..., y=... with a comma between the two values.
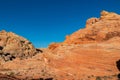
x=12, y=46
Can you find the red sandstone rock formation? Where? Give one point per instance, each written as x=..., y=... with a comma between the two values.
x=87, y=54
x=12, y=46
x=97, y=29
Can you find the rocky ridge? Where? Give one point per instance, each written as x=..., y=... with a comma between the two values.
x=97, y=29
x=13, y=46
x=92, y=53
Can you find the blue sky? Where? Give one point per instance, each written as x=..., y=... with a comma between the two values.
x=46, y=21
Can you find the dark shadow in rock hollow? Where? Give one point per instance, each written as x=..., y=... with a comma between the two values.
x=1, y=48
x=38, y=50
x=118, y=64
x=43, y=79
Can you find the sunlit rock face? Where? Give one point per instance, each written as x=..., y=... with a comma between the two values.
x=92, y=53
x=12, y=46
x=97, y=29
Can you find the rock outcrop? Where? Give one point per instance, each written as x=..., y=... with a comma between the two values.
x=52, y=46
x=6, y=77
x=92, y=53
x=97, y=29
x=13, y=46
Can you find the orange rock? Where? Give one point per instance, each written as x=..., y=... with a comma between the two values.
x=12, y=46
x=92, y=53
x=97, y=29
x=91, y=21
x=52, y=46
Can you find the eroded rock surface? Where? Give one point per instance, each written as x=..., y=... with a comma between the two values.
x=97, y=29
x=6, y=77
x=13, y=46
x=92, y=53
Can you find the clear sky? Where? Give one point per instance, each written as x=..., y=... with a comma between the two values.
x=46, y=21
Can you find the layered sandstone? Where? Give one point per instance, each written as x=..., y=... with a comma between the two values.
x=97, y=29
x=92, y=53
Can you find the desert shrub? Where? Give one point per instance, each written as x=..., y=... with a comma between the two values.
x=98, y=78
x=11, y=73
